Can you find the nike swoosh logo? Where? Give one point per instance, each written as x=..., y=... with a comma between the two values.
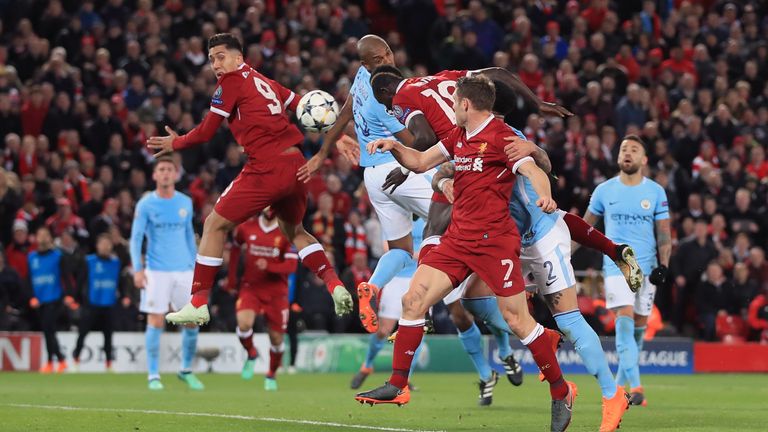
x=550, y=283
x=613, y=203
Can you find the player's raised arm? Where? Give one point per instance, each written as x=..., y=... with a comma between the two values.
x=411, y=159
x=511, y=80
x=540, y=182
x=347, y=147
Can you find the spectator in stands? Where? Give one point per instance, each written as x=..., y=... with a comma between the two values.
x=688, y=264
x=715, y=296
x=11, y=290
x=758, y=267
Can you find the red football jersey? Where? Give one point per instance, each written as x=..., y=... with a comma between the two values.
x=483, y=181
x=255, y=107
x=431, y=96
x=262, y=242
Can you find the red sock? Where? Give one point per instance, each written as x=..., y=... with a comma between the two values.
x=246, y=340
x=427, y=245
x=275, y=360
x=313, y=257
x=544, y=356
x=206, y=269
x=589, y=236
x=407, y=340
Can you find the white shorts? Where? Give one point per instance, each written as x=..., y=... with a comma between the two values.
x=457, y=292
x=166, y=289
x=391, y=298
x=395, y=211
x=617, y=294
x=547, y=263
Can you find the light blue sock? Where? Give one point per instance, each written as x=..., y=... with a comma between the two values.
x=587, y=344
x=626, y=347
x=416, y=359
x=374, y=346
x=390, y=264
x=473, y=345
x=152, y=340
x=639, y=335
x=487, y=310
x=188, y=347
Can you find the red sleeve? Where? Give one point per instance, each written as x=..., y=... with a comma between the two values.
x=289, y=99
x=754, y=308
x=404, y=107
x=226, y=95
x=447, y=145
x=200, y=134
x=453, y=74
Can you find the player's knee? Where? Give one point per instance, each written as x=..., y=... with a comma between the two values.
x=413, y=303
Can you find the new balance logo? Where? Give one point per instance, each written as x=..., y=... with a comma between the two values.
x=410, y=353
x=322, y=267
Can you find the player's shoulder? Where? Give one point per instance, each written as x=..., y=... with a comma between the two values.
x=146, y=199
x=452, y=74
x=181, y=196
x=652, y=185
x=236, y=77
x=606, y=185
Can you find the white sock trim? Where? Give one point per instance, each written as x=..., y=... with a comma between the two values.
x=277, y=348
x=243, y=334
x=314, y=247
x=431, y=240
x=537, y=331
x=209, y=261
x=411, y=323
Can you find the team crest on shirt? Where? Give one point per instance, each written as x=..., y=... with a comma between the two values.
x=397, y=111
x=483, y=146
x=183, y=213
x=277, y=241
x=252, y=237
x=217, y=96
x=645, y=204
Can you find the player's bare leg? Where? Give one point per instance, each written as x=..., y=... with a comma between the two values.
x=428, y=286
x=245, y=320
x=386, y=326
x=275, y=357
x=565, y=309
x=207, y=264
x=313, y=257
x=532, y=334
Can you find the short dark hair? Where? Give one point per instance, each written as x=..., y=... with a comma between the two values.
x=227, y=39
x=385, y=78
x=389, y=69
x=479, y=90
x=165, y=158
x=638, y=140
x=104, y=236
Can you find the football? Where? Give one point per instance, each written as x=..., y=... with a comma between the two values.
x=317, y=111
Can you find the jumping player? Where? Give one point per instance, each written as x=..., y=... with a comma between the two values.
x=263, y=287
x=481, y=238
x=255, y=107
x=635, y=211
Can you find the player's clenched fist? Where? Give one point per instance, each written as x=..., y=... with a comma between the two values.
x=384, y=145
x=547, y=204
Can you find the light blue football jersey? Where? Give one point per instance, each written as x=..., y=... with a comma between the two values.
x=630, y=214
x=372, y=121
x=532, y=223
x=167, y=225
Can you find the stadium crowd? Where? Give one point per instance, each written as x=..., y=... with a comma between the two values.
x=83, y=84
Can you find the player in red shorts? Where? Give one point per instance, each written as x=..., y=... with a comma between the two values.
x=266, y=261
x=255, y=107
x=481, y=238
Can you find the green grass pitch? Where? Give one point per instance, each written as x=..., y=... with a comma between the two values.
x=323, y=402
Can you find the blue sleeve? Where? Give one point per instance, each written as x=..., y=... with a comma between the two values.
x=595, y=203
x=190, y=231
x=661, y=211
x=138, y=230
x=388, y=120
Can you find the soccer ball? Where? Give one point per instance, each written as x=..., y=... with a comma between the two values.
x=317, y=111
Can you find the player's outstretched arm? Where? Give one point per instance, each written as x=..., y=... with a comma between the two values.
x=540, y=183
x=519, y=148
x=409, y=158
x=420, y=136
x=504, y=76
x=348, y=148
x=200, y=134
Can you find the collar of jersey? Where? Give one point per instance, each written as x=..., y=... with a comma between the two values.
x=399, y=86
x=241, y=66
x=480, y=128
x=267, y=228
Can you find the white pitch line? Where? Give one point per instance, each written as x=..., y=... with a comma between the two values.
x=224, y=416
